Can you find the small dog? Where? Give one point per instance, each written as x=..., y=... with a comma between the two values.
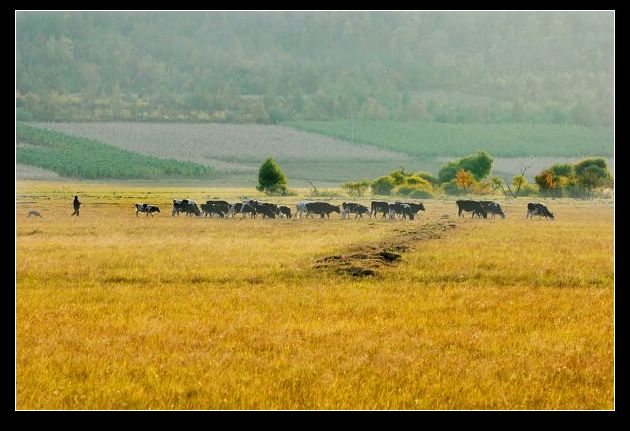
x=34, y=214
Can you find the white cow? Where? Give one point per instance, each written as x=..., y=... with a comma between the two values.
x=301, y=208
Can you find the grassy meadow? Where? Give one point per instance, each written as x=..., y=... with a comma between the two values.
x=115, y=311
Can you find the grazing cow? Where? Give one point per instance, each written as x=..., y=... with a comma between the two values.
x=268, y=210
x=285, y=211
x=322, y=208
x=535, y=208
x=187, y=206
x=351, y=207
x=301, y=209
x=235, y=208
x=33, y=213
x=249, y=207
x=378, y=207
x=215, y=207
x=146, y=208
x=493, y=208
x=414, y=208
x=471, y=206
x=218, y=207
x=400, y=209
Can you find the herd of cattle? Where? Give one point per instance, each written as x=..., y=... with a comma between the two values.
x=402, y=210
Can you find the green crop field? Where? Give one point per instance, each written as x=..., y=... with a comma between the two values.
x=86, y=158
x=500, y=140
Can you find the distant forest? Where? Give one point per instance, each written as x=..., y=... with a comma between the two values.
x=270, y=67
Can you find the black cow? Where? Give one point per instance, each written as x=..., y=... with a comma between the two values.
x=285, y=211
x=322, y=208
x=400, y=209
x=493, y=208
x=146, y=208
x=351, y=207
x=535, y=208
x=187, y=206
x=215, y=207
x=268, y=210
x=471, y=206
x=415, y=207
x=379, y=207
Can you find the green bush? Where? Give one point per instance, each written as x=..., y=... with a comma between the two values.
x=427, y=176
x=451, y=188
x=563, y=169
x=478, y=164
x=383, y=186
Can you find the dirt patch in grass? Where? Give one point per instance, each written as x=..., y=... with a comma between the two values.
x=364, y=260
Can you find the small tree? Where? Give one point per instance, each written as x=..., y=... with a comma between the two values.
x=271, y=179
x=464, y=179
x=357, y=189
x=478, y=164
x=547, y=182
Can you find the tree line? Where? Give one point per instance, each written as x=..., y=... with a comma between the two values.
x=269, y=67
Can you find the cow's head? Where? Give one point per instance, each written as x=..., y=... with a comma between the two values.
x=156, y=209
x=421, y=207
x=336, y=209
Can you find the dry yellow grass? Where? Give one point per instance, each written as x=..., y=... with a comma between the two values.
x=119, y=312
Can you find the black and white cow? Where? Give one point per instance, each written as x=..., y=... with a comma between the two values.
x=250, y=207
x=471, y=206
x=414, y=208
x=401, y=210
x=322, y=208
x=146, y=208
x=235, y=208
x=187, y=206
x=492, y=207
x=351, y=207
x=379, y=207
x=535, y=208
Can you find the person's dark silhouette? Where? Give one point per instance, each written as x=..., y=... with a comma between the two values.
x=76, y=204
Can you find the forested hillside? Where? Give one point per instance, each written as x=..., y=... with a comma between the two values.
x=269, y=67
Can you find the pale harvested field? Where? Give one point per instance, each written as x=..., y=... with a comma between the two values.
x=119, y=312
x=228, y=147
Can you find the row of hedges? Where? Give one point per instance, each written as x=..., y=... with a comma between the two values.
x=470, y=175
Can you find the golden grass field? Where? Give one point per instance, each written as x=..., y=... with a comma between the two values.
x=119, y=312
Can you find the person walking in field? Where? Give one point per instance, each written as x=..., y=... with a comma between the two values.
x=76, y=204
